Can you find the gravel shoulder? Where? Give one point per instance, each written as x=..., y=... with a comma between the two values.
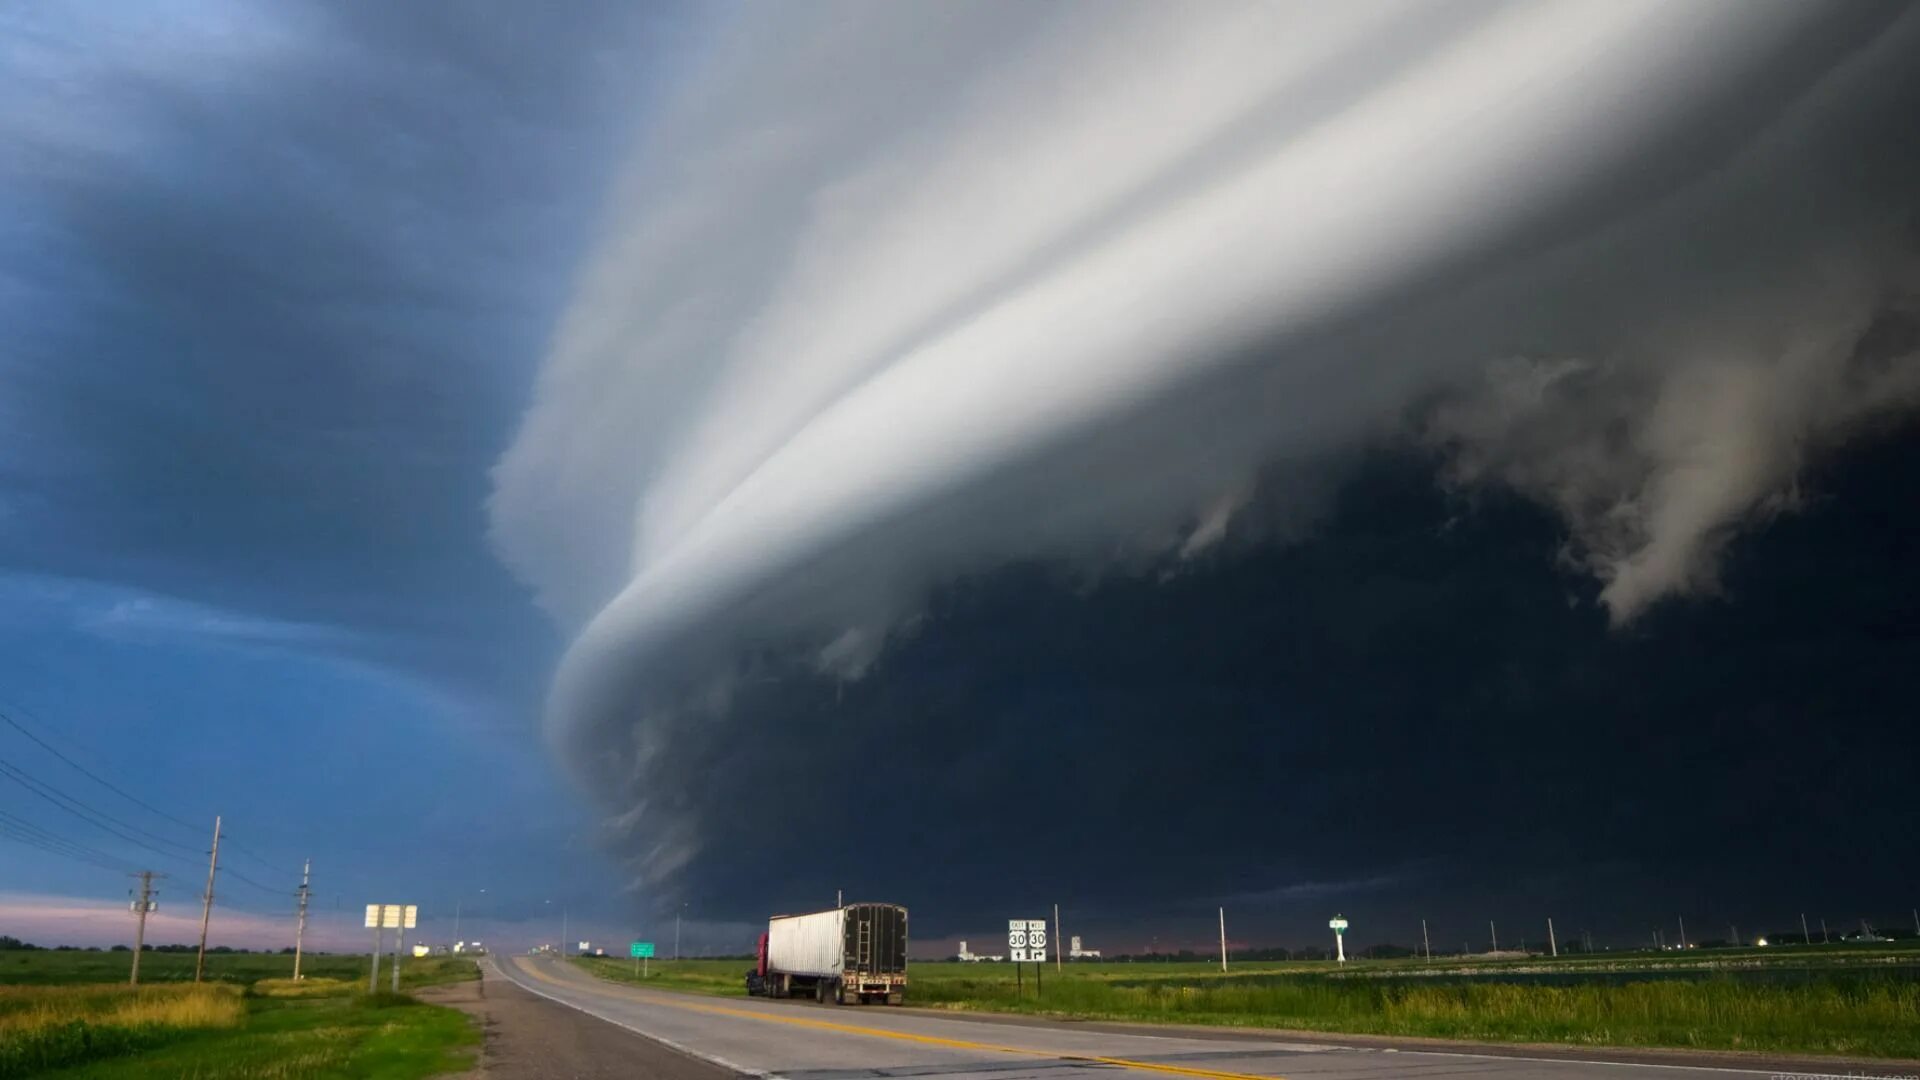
x=527, y=1037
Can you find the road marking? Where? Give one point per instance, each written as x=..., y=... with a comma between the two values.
x=701, y=1055
x=930, y=1040
x=654, y=997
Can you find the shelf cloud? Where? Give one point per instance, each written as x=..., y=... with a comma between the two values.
x=893, y=297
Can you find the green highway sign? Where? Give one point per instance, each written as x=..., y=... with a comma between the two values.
x=642, y=949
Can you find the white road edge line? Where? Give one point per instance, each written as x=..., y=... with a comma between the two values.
x=741, y=1070
x=1615, y=1064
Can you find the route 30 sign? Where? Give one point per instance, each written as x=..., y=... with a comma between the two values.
x=1027, y=940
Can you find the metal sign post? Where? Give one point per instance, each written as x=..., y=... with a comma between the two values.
x=1027, y=942
x=642, y=953
x=1339, y=926
x=373, y=973
x=399, y=918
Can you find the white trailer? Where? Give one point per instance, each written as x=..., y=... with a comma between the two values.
x=812, y=945
x=846, y=955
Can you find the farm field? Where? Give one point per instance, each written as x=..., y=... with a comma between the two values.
x=1854, y=1001
x=72, y=1014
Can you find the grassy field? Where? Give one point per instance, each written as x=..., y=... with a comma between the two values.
x=27, y=967
x=1862, y=1002
x=723, y=978
x=57, y=1019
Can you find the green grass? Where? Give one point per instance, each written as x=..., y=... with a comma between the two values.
x=378, y=1037
x=52, y=1023
x=723, y=978
x=46, y=967
x=47, y=1026
x=1856, y=1003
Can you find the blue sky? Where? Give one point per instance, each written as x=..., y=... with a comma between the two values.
x=275, y=281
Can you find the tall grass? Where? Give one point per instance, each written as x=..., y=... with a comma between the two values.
x=47, y=1027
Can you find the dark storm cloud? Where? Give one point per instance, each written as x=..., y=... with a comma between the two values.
x=1411, y=714
x=272, y=280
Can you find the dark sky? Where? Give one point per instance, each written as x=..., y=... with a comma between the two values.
x=1412, y=713
x=637, y=460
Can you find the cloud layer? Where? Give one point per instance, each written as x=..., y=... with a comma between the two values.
x=895, y=296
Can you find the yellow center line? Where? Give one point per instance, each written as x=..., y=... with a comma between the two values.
x=929, y=1040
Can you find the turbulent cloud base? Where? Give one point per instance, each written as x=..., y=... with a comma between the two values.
x=894, y=296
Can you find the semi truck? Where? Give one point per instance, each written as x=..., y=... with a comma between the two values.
x=849, y=955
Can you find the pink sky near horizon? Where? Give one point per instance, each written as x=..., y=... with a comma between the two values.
x=50, y=920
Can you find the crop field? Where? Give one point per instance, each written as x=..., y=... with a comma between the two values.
x=1856, y=1001
x=29, y=967
x=72, y=1015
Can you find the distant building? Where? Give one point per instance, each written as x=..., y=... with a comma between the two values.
x=975, y=958
x=1078, y=953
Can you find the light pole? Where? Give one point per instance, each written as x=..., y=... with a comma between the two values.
x=456, y=916
x=676, y=930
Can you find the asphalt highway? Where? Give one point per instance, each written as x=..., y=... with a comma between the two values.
x=798, y=1040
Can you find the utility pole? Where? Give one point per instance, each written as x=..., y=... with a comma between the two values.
x=1683, y=931
x=1806, y=936
x=676, y=931
x=1495, y=934
x=1736, y=934
x=1426, y=941
x=565, y=949
x=300, y=929
x=1223, y=940
x=140, y=908
x=1553, y=943
x=1059, y=943
x=1824, y=939
x=1916, y=922
x=206, y=903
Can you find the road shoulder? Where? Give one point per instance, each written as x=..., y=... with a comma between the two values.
x=527, y=1037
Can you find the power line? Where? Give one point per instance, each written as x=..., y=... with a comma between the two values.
x=26, y=833
x=256, y=857
x=134, y=799
x=91, y=775
x=237, y=875
x=78, y=809
x=25, y=840
x=27, y=825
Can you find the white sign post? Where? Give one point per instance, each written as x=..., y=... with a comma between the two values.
x=1339, y=926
